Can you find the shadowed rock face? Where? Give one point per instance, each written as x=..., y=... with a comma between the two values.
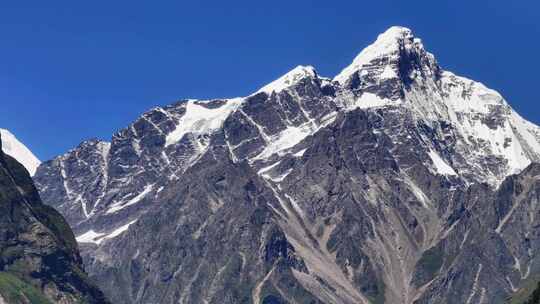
x=395, y=182
x=39, y=259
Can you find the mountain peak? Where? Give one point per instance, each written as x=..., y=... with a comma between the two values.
x=389, y=46
x=14, y=148
x=395, y=32
x=290, y=78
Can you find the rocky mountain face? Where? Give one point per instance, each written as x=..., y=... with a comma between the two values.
x=39, y=259
x=394, y=182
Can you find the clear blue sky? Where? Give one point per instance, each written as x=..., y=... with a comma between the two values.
x=72, y=70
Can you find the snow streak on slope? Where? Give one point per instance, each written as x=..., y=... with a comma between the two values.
x=121, y=205
x=97, y=237
x=291, y=136
x=441, y=166
x=14, y=148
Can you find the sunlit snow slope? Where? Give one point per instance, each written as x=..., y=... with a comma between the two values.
x=14, y=148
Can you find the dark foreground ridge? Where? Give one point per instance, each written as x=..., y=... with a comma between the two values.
x=39, y=259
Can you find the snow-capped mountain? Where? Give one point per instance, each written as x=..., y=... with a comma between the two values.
x=484, y=125
x=14, y=148
x=393, y=182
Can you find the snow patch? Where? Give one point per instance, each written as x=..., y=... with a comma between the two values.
x=14, y=148
x=300, y=153
x=120, y=230
x=262, y=171
x=90, y=237
x=441, y=166
x=388, y=73
x=281, y=177
x=370, y=100
x=292, y=136
x=288, y=138
x=97, y=237
x=121, y=205
x=200, y=120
